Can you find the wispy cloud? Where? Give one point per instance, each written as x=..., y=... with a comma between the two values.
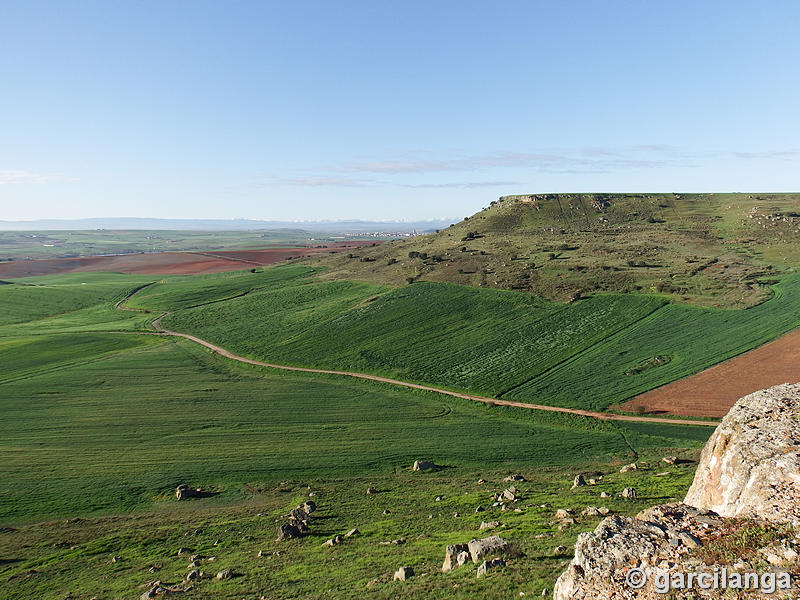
x=10, y=176
x=769, y=154
x=324, y=180
x=464, y=185
x=395, y=172
x=590, y=160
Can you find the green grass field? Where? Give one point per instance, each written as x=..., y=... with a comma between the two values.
x=130, y=417
x=100, y=423
x=587, y=354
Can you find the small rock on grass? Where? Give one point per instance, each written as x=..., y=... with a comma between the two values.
x=489, y=565
x=403, y=573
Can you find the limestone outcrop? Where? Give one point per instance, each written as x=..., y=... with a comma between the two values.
x=748, y=477
x=750, y=466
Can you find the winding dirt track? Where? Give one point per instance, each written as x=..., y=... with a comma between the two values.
x=574, y=411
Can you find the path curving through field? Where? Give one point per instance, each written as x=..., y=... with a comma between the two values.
x=574, y=411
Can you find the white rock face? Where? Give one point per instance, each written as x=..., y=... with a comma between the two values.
x=750, y=467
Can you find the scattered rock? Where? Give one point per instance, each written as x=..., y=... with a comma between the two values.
x=563, y=513
x=628, y=492
x=352, y=532
x=481, y=481
x=424, y=465
x=515, y=477
x=779, y=553
x=489, y=524
x=488, y=565
x=333, y=541
x=371, y=490
x=403, y=573
x=605, y=495
x=559, y=549
x=603, y=510
x=183, y=551
x=386, y=512
x=511, y=494
x=479, y=509
x=309, y=506
x=193, y=574
x=579, y=481
x=396, y=542
x=452, y=553
x=287, y=532
x=299, y=515
x=490, y=545
x=437, y=499
x=630, y=467
x=590, y=511
x=670, y=460
x=225, y=574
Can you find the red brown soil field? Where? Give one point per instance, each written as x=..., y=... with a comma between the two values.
x=712, y=392
x=167, y=263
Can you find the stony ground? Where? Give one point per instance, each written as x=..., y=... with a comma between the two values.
x=407, y=520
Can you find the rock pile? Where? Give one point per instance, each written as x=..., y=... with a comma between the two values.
x=298, y=524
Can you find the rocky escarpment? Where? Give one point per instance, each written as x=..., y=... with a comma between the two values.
x=751, y=465
x=740, y=516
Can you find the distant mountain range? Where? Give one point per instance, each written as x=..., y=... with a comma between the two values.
x=220, y=225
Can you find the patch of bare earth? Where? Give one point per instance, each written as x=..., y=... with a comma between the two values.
x=712, y=392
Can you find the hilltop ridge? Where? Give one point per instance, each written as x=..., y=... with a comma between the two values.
x=706, y=249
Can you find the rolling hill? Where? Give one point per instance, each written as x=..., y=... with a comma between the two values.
x=705, y=249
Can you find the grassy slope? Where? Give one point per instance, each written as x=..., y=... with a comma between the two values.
x=132, y=423
x=106, y=422
x=57, y=558
x=706, y=249
x=70, y=302
x=586, y=354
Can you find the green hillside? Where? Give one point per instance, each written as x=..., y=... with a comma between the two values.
x=588, y=354
x=706, y=249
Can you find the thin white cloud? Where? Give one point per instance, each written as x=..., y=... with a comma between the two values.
x=324, y=181
x=581, y=160
x=769, y=154
x=576, y=161
x=12, y=176
x=464, y=185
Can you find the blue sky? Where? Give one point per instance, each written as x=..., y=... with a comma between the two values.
x=387, y=110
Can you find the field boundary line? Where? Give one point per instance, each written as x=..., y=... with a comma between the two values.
x=574, y=357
